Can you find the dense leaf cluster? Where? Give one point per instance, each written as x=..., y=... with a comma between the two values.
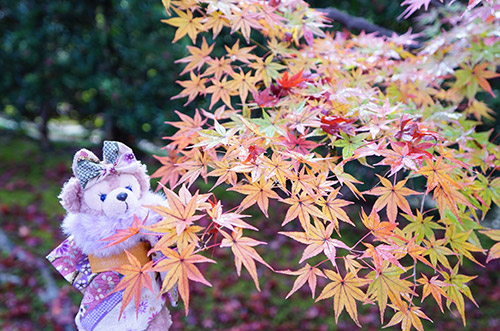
x=289, y=124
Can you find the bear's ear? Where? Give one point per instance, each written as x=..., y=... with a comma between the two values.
x=71, y=195
x=142, y=177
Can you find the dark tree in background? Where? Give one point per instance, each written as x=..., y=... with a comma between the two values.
x=92, y=61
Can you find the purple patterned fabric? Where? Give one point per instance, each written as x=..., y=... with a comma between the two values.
x=99, y=307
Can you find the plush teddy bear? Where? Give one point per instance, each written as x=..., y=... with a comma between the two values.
x=100, y=199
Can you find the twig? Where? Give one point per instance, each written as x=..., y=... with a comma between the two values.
x=353, y=22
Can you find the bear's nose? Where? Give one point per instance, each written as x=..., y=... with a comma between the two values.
x=122, y=196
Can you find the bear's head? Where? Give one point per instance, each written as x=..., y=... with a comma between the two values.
x=103, y=197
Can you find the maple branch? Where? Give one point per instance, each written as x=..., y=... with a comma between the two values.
x=354, y=23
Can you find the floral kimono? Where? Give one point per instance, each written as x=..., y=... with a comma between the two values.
x=100, y=310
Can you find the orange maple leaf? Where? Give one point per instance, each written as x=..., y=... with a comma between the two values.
x=135, y=278
x=332, y=208
x=180, y=268
x=392, y=197
x=286, y=83
x=192, y=87
x=306, y=274
x=303, y=208
x=198, y=57
x=243, y=252
x=169, y=172
x=186, y=24
x=381, y=230
x=123, y=234
x=345, y=292
x=257, y=192
x=177, y=215
x=244, y=21
x=481, y=73
x=228, y=220
x=220, y=90
x=435, y=287
x=318, y=239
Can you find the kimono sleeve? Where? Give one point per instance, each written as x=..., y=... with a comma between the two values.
x=72, y=264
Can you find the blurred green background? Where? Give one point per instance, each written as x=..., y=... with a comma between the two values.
x=87, y=70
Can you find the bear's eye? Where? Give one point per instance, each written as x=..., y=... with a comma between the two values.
x=102, y=196
x=128, y=187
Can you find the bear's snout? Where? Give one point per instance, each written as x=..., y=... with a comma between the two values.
x=118, y=202
x=122, y=196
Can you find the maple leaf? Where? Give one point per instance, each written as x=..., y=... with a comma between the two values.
x=306, y=274
x=244, y=21
x=318, y=239
x=345, y=292
x=228, y=220
x=421, y=226
x=198, y=57
x=218, y=67
x=303, y=208
x=220, y=90
x=186, y=24
x=392, y=197
x=277, y=168
x=225, y=172
x=479, y=109
x=298, y=144
x=195, y=166
x=266, y=70
x=192, y=87
x=302, y=181
x=438, y=173
x=334, y=125
x=257, y=192
x=347, y=179
x=171, y=238
x=265, y=99
x=188, y=129
x=169, y=172
x=381, y=230
x=398, y=158
x=215, y=21
x=388, y=285
x=382, y=254
x=459, y=243
x=243, y=83
x=494, y=252
x=235, y=53
x=350, y=144
x=437, y=251
x=244, y=253
x=224, y=6
x=180, y=268
x=216, y=137
x=408, y=317
x=435, y=287
x=457, y=289
x=177, y=215
x=135, y=278
x=413, y=6
x=332, y=207
x=286, y=83
x=470, y=78
x=123, y=234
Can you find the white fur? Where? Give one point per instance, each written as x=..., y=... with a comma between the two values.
x=89, y=230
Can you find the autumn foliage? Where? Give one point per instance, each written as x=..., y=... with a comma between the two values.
x=317, y=121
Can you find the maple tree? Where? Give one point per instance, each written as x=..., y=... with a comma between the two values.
x=288, y=114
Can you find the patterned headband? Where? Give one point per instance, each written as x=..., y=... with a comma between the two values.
x=117, y=158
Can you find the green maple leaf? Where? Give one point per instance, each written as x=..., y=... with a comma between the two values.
x=350, y=144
